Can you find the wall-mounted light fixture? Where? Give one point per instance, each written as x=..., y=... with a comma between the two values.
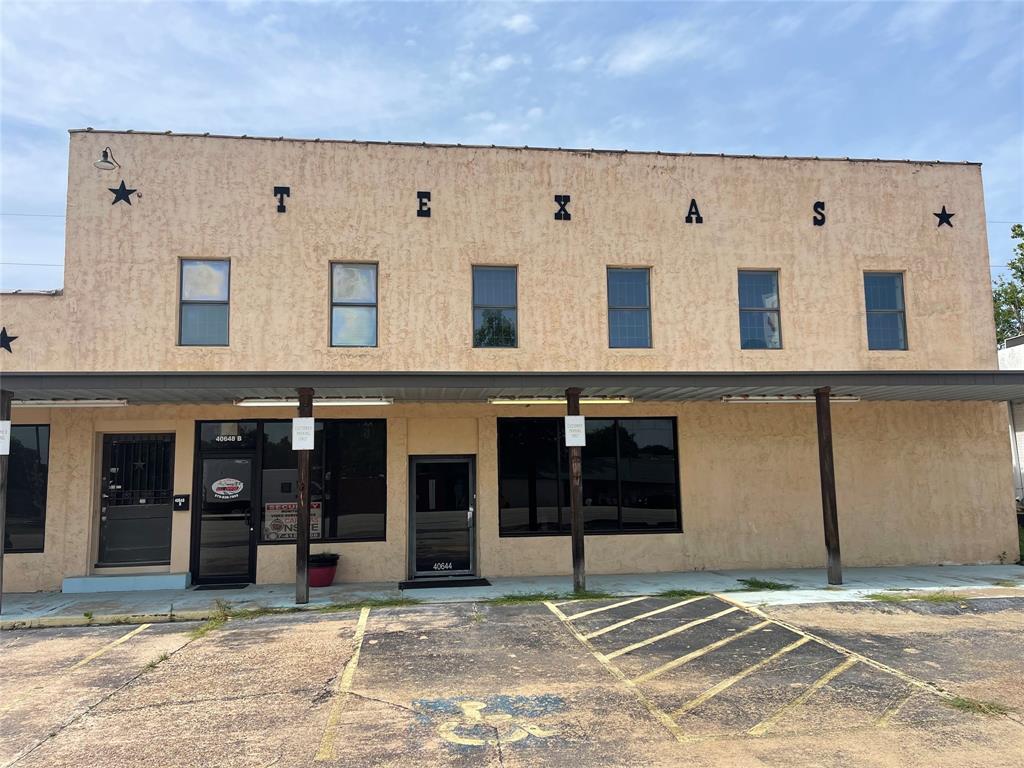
x=786, y=399
x=271, y=402
x=107, y=161
x=558, y=400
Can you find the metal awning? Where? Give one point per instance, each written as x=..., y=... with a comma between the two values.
x=430, y=386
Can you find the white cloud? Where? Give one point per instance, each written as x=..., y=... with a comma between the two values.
x=653, y=47
x=787, y=24
x=534, y=113
x=520, y=23
x=577, y=64
x=917, y=20
x=500, y=63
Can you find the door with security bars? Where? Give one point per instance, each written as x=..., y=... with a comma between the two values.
x=135, y=500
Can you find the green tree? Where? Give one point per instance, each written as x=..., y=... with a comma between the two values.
x=1008, y=295
x=495, y=330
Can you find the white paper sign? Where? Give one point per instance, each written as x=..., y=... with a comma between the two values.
x=575, y=431
x=5, y=438
x=302, y=433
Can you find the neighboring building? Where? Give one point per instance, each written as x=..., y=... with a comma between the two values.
x=436, y=287
x=1011, y=358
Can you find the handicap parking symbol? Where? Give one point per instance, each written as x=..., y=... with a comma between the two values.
x=495, y=720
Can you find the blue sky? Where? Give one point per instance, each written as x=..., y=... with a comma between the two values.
x=922, y=80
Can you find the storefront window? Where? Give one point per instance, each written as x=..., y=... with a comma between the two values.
x=27, y=469
x=347, y=477
x=630, y=478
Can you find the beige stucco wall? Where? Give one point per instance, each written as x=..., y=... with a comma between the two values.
x=917, y=483
x=212, y=198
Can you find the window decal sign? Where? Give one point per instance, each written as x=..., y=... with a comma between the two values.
x=303, y=433
x=280, y=520
x=226, y=488
x=5, y=438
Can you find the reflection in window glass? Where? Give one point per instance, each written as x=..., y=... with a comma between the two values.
x=533, y=484
x=629, y=308
x=494, y=307
x=630, y=481
x=354, y=305
x=205, y=288
x=760, y=326
x=886, y=315
x=27, y=470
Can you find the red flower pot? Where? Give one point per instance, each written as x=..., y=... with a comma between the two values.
x=322, y=575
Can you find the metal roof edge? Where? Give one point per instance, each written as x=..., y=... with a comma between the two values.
x=572, y=150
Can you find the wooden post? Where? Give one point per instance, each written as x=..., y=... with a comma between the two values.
x=302, y=512
x=579, y=571
x=5, y=415
x=827, y=469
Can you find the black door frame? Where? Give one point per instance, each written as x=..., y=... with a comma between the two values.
x=254, y=456
x=470, y=460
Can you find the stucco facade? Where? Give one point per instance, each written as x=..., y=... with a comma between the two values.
x=917, y=482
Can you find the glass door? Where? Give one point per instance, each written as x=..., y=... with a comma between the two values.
x=443, y=501
x=225, y=536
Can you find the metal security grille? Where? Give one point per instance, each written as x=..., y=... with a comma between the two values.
x=138, y=469
x=135, y=512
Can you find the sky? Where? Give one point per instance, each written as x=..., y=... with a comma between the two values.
x=920, y=80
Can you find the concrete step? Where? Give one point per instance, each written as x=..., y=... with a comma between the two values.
x=134, y=582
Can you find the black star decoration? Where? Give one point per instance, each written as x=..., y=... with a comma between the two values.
x=5, y=340
x=944, y=218
x=122, y=193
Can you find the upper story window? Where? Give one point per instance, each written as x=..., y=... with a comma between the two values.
x=887, y=320
x=205, y=288
x=353, y=305
x=495, y=321
x=760, y=326
x=629, y=307
x=27, y=471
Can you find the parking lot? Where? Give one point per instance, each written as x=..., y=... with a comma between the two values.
x=692, y=679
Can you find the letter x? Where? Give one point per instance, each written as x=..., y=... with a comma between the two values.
x=561, y=214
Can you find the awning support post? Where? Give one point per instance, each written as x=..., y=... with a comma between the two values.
x=579, y=572
x=823, y=408
x=302, y=512
x=5, y=415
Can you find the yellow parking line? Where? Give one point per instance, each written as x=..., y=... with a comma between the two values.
x=107, y=647
x=761, y=728
x=615, y=672
x=887, y=716
x=326, y=750
x=647, y=615
x=697, y=653
x=605, y=608
x=730, y=681
x=669, y=633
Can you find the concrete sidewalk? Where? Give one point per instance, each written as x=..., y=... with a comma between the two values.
x=54, y=609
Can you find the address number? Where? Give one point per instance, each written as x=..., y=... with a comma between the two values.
x=227, y=439
x=442, y=566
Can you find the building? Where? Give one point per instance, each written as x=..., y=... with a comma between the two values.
x=439, y=300
x=1011, y=358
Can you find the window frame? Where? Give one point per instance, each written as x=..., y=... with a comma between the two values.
x=332, y=303
x=902, y=313
x=182, y=301
x=474, y=306
x=610, y=309
x=778, y=311
x=46, y=491
x=678, y=529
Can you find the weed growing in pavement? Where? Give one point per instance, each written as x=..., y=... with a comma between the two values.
x=1006, y=583
x=217, y=620
x=88, y=616
x=540, y=597
x=524, y=597
x=680, y=593
x=384, y=602
x=764, y=585
x=941, y=596
x=965, y=704
x=160, y=659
